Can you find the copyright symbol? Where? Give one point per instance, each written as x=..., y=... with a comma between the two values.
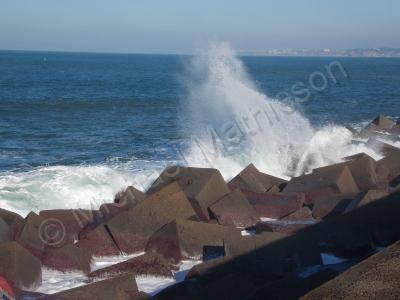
x=52, y=232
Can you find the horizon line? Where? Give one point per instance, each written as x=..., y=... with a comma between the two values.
x=252, y=53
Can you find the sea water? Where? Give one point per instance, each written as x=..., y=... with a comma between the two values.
x=75, y=128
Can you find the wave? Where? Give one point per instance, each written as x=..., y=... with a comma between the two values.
x=234, y=124
x=69, y=187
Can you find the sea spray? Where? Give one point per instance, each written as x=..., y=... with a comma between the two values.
x=234, y=124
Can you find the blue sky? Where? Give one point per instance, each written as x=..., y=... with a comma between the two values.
x=177, y=26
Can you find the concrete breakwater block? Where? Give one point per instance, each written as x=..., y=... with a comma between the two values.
x=71, y=221
x=274, y=206
x=122, y=287
x=381, y=122
x=202, y=186
x=363, y=169
x=29, y=235
x=123, y=201
x=98, y=242
x=251, y=179
x=131, y=230
x=234, y=209
x=326, y=181
x=10, y=217
x=373, y=224
x=332, y=205
x=67, y=258
x=5, y=232
x=149, y=264
x=185, y=239
x=377, y=277
x=21, y=269
x=130, y=197
x=389, y=166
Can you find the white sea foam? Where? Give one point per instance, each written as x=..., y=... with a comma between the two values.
x=100, y=262
x=56, y=281
x=60, y=187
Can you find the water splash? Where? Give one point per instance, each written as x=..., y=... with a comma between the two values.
x=234, y=124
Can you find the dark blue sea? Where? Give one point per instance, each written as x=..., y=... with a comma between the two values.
x=77, y=127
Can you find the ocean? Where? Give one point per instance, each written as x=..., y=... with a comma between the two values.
x=75, y=128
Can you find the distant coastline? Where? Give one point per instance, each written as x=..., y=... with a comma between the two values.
x=358, y=52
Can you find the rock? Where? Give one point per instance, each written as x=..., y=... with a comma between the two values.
x=233, y=209
x=132, y=229
x=376, y=277
x=203, y=187
x=332, y=205
x=252, y=179
x=32, y=234
x=67, y=258
x=149, y=264
x=323, y=182
x=98, y=242
x=184, y=239
x=10, y=218
x=73, y=221
x=366, y=198
x=274, y=206
x=21, y=269
x=303, y=214
x=123, y=287
x=130, y=197
x=5, y=232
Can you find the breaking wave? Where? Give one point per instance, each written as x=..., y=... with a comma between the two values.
x=62, y=187
x=234, y=124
